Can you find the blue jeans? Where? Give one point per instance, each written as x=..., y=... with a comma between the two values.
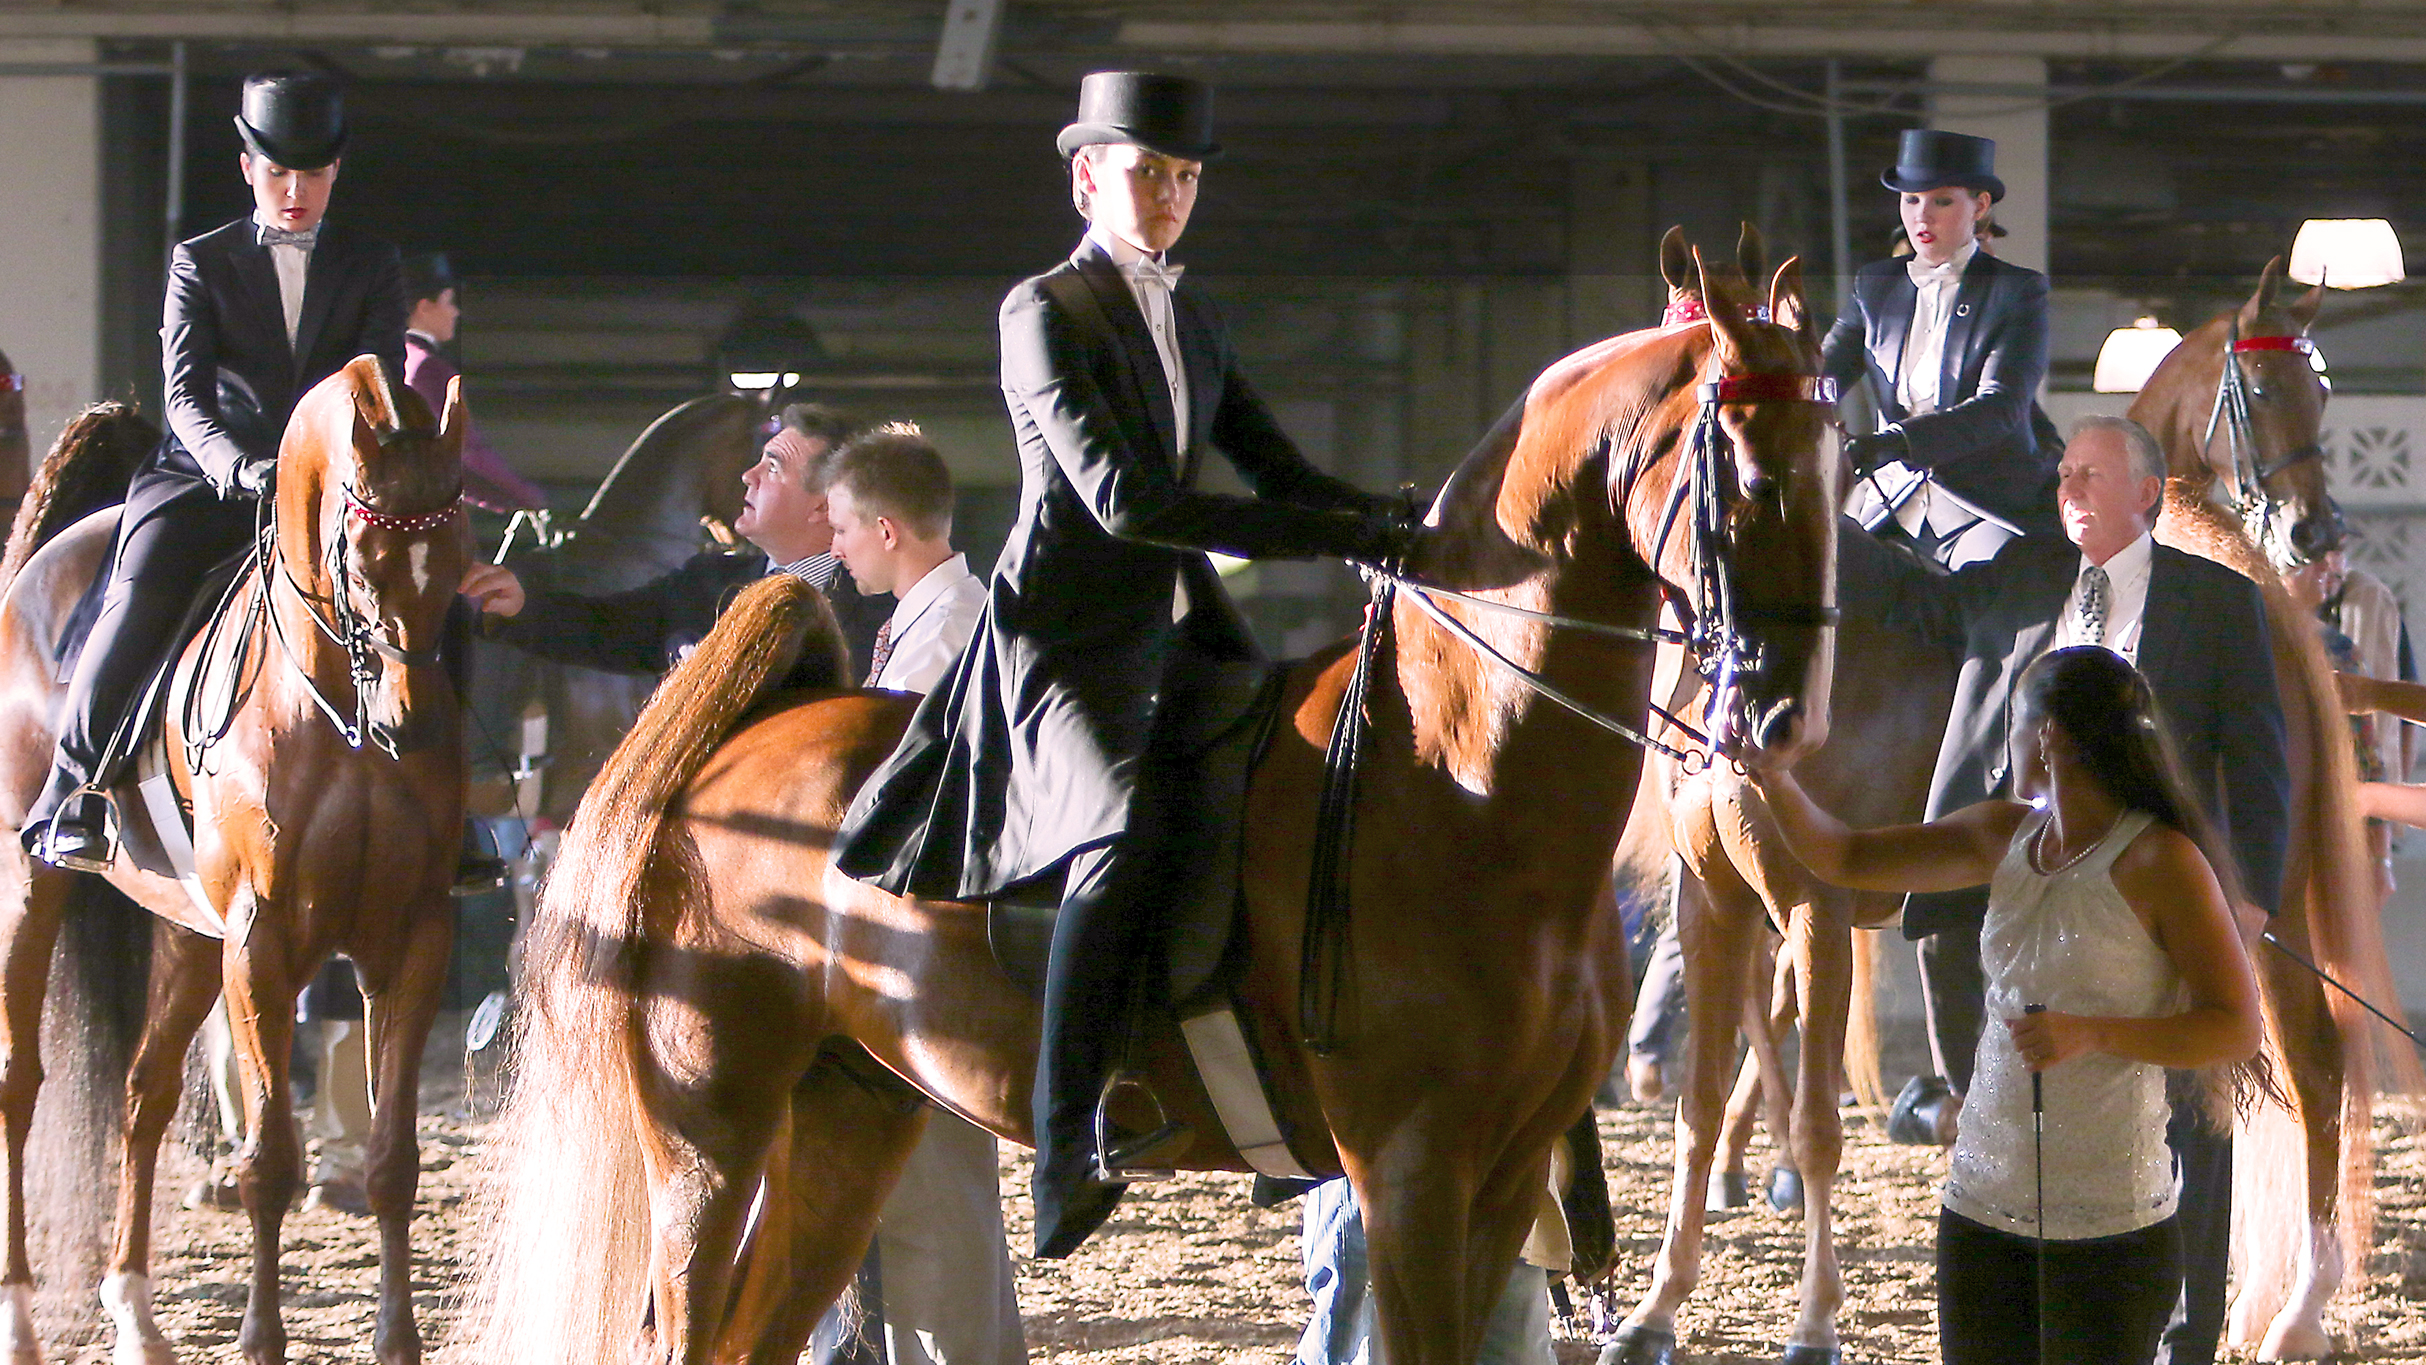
x=1340, y=1332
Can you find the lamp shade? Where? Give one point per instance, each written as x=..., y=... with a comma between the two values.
x=2131, y=354
x=2346, y=253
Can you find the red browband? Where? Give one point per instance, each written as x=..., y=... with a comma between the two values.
x=12, y=383
x=1770, y=386
x=1689, y=308
x=389, y=521
x=2301, y=344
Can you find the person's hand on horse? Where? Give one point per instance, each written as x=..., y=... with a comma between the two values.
x=1868, y=452
x=2046, y=1038
x=256, y=478
x=1385, y=538
x=494, y=589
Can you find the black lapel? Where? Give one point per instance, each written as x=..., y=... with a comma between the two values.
x=259, y=277
x=1970, y=300
x=2161, y=631
x=323, y=276
x=1131, y=342
x=1897, y=295
x=1200, y=355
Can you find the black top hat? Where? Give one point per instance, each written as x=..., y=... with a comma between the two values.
x=427, y=274
x=1168, y=114
x=1928, y=159
x=294, y=118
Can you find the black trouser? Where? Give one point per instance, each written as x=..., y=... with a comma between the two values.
x=1109, y=931
x=1954, y=994
x=2107, y=1297
x=175, y=532
x=2204, y=1158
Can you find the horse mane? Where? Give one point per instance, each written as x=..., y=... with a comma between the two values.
x=86, y=470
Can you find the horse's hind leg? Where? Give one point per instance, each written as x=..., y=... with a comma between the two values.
x=29, y=929
x=185, y=982
x=398, y=1015
x=849, y=1138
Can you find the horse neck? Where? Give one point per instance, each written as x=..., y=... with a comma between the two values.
x=2179, y=400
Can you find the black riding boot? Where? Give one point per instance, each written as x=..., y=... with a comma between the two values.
x=1090, y=1010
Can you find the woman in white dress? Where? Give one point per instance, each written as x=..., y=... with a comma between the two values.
x=2112, y=954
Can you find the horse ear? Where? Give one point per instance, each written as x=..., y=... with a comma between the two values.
x=1787, y=306
x=450, y=422
x=2304, y=310
x=375, y=397
x=1676, y=262
x=1726, y=313
x=2270, y=282
x=1751, y=252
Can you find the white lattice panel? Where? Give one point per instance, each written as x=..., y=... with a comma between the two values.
x=2376, y=451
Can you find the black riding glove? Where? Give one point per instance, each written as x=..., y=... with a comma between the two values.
x=255, y=478
x=1877, y=448
x=1385, y=536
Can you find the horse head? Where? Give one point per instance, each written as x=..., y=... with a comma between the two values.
x=370, y=529
x=2240, y=408
x=1744, y=533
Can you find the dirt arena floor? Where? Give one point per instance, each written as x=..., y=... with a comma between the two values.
x=1189, y=1272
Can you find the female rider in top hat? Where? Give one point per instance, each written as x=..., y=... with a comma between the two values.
x=1955, y=343
x=1036, y=756
x=258, y=312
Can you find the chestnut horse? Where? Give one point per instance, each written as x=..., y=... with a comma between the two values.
x=327, y=799
x=703, y=990
x=1891, y=696
x=2304, y=1204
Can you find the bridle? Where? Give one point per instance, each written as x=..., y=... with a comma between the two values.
x=1714, y=613
x=2247, y=468
x=361, y=638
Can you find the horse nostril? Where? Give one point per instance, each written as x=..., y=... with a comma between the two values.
x=1776, y=729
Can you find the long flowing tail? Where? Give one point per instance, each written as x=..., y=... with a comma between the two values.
x=564, y=1277
x=2335, y=896
x=85, y=471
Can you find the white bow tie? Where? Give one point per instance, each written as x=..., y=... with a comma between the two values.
x=1924, y=273
x=1146, y=270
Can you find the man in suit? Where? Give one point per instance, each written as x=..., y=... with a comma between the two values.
x=1954, y=342
x=1034, y=760
x=2198, y=631
x=258, y=312
x=433, y=295
x=650, y=628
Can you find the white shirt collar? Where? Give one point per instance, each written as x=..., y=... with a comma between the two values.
x=2129, y=562
x=1121, y=251
x=816, y=570
x=1951, y=270
x=922, y=594
x=415, y=334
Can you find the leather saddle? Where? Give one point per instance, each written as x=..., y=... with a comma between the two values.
x=1223, y=716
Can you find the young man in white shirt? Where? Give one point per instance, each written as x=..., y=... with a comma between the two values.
x=889, y=497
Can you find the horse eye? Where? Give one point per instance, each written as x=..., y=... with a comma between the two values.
x=1759, y=486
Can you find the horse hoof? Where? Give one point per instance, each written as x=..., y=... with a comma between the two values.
x=1786, y=1192
x=1812, y=1355
x=1640, y=1346
x=1728, y=1192
x=2301, y=1342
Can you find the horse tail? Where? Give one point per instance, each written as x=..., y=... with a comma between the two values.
x=564, y=1278
x=85, y=471
x=1862, y=1040
x=2336, y=894
x=92, y=1021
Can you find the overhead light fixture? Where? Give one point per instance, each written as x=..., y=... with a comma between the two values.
x=765, y=350
x=2347, y=253
x=2131, y=354
x=752, y=380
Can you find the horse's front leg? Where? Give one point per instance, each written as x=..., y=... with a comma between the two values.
x=29, y=929
x=1821, y=949
x=261, y=982
x=1718, y=924
x=398, y=1017
x=1441, y=1235
x=184, y=985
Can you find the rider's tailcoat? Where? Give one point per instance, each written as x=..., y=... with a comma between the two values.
x=1030, y=748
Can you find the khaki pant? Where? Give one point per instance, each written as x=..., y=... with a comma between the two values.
x=341, y=1106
